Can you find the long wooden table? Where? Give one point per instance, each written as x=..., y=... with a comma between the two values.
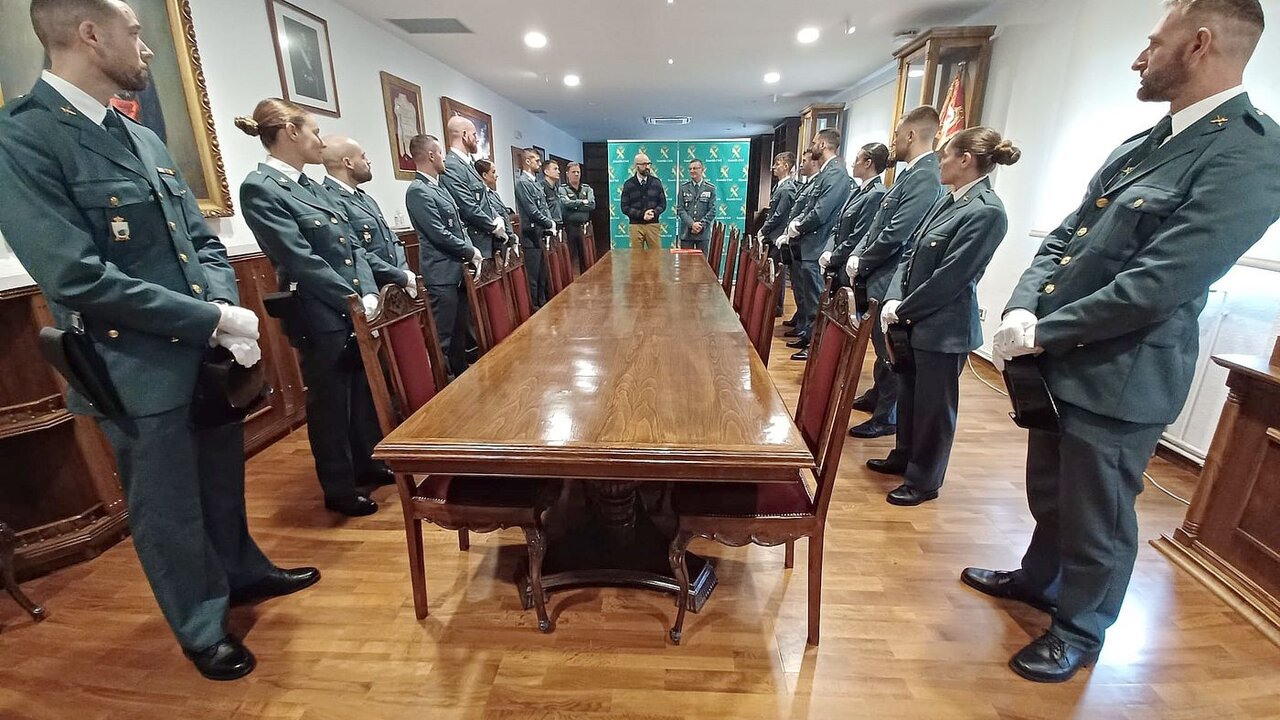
x=639, y=371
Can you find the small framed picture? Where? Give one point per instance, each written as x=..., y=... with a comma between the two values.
x=483, y=121
x=402, y=103
x=304, y=56
x=541, y=151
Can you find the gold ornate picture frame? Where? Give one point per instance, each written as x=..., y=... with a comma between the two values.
x=402, y=104
x=483, y=120
x=175, y=105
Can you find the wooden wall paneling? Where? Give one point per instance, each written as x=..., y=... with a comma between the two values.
x=595, y=172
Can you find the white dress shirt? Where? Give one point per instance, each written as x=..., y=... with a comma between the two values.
x=283, y=168
x=1191, y=114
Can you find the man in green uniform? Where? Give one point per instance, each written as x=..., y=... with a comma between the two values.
x=696, y=208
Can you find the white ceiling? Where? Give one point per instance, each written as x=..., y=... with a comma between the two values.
x=721, y=49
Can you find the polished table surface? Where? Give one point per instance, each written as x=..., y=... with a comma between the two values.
x=640, y=369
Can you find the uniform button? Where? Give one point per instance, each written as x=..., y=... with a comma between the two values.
x=196, y=287
x=318, y=223
x=1048, y=289
x=1102, y=203
x=355, y=281
x=173, y=226
x=342, y=241
x=1139, y=203
x=347, y=261
x=113, y=201
x=113, y=333
x=333, y=220
x=1065, y=261
x=933, y=244
x=173, y=340
x=1082, y=232
x=182, y=257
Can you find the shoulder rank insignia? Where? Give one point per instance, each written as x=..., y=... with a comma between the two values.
x=167, y=171
x=1219, y=121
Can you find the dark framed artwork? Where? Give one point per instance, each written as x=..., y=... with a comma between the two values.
x=304, y=57
x=564, y=166
x=542, y=152
x=517, y=165
x=483, y=120
x=175, y=105
x=402, y=103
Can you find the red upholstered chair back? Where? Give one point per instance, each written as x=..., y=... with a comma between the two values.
x=748, y=272
x=730, y=263
x=830, y=383
x=588, y=246
x=401, y=353
x=568, y=270
x=551, y=249
x=516, y=276
x=491, y=304
x=716, y=249
x=763, y=320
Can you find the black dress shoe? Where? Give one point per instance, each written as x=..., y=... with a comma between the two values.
x=1006, y=585
x=354, y=506
x=799, y=343
x=789, y=323
x=888, y=466
x=864, y=403
x=872, y=429
x=802, y=355
x=377, y=478
x=909, y=496
x=276, y=583
x=791, y=333
x=1050, y=659
x=226, y=659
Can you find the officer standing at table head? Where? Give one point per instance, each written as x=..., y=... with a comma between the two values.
x=1111, y=304
x=696, y=208
x=460, y=179
x=347, y=167
x=97, y=212
x=319, y=257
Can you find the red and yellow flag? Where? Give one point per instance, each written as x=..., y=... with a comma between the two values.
x=953, y=119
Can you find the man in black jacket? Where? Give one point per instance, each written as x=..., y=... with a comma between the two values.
x=643, y=202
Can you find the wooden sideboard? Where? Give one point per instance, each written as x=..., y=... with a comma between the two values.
x=1230, y=540
x=58, y=485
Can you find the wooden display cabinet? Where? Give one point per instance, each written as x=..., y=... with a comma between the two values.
x=815, y=118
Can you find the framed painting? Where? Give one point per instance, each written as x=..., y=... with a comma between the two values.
x=564, y=166
x=517, y=165
x=483, y=120
x=402, y=103
x=175, y=104
x=542, y=152
x=304, y=57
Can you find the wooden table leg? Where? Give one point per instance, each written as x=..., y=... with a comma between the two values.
x=8, y=543
x=604, y=536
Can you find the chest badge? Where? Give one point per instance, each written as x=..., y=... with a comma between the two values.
x=119, y=229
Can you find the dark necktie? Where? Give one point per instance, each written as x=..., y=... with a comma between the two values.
x=116, y=129
x=1161, y=132
x=306, y=183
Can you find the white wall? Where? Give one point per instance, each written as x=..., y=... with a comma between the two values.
x=239, y=62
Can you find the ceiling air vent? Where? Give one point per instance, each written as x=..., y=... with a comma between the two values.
x=537, y=112
x=669, y=120
x=431, y=26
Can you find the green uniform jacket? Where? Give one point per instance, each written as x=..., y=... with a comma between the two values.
x=116, y=238
x=913, y=193
x=577, y=204
x=535, y=216
x=696, y=202
x=780, y=203
x=309, y=242
x=443, y=246
x=855, y=220
x=937, y=280
x=469, y=192
x=1119, y=286
x=365, y=217
x=828, y=193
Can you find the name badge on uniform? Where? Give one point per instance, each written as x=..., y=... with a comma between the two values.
x=706, y=194
x=119, y=229
x=368, y=236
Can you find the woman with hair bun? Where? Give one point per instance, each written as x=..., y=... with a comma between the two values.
x=934, y=295
x=316, y=254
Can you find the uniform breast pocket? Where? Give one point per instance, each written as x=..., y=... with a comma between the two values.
x=1138, y=214
x=121, y=214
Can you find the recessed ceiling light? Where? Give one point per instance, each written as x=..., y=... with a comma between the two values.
x=807, y=35
x=915, y=72
x=572, y=80
x=850, y=29
x=671, y=61
x=535, y=39
x=772, y=77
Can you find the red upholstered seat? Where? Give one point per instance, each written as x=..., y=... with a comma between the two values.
x=712, y=499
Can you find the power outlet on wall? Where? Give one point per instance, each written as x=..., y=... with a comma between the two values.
x=982, y=314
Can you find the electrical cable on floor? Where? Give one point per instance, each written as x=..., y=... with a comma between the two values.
x=1150, y=479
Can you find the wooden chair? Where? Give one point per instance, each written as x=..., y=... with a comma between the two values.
x=492, y=306
x=771, y=514
x=730, y=263
x=9, y=543
x=760, y=319
x=568, y=270
x=396, y=344
x=551, y=249
x=716, y=249
x=516, y=276
x=744, y=274
x=588, y=246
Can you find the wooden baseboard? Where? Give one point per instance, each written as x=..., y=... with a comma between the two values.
x=1202, y=566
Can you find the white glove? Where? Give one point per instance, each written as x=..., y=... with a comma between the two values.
x=411, y=287
x=793, y=229
x=824, y=260
x=997, y=361
x=851, y=267
x=477, y=263
x=782, y=240
x=477, y=257
x=237, y=321
x=497, y=225
x=245, y=351
x=889, y=313
x=1013, y=334
x=370, y=303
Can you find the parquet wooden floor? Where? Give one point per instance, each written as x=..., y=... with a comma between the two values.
x=902, y=637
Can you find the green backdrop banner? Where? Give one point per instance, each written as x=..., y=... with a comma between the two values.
x=727, y=164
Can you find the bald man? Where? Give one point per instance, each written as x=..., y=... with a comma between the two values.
x=347, y=167
x=643, y=201
x=484, y=228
